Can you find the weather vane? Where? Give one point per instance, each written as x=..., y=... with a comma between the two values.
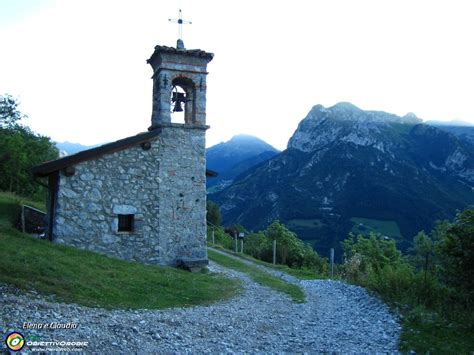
x=180, y=22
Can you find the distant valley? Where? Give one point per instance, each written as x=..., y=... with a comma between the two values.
x=346, y=170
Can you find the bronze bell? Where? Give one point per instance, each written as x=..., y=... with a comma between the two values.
x=178, y=99
x=178, y=107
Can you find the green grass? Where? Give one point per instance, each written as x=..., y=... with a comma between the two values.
x=302, y=274
x=304, y=223
x=259, y=276
x=91, y=279
x=429, y=333
x=389, y=228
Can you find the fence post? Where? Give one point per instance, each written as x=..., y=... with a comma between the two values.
x=235, y=238
x=242, y=246
x=23, y=222
x=213, y=241
x=332, y=262
x=274, y=251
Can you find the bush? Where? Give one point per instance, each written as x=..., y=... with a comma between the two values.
x=291, y=251
x=456, y=255
x=364, y=255
x=402, y=284
x=213, y=213
x=258, y=246
x=220, y=238
x=376, y=264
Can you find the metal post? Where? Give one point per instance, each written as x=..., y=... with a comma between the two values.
x=332, y=262
x=213, y=241
x=235, y=238
x=242, y=246
x=274, y=251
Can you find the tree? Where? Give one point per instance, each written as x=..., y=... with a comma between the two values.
x=213, y=213
x=9, y=113
x=424, y=249
x=284, y=239
x=456, y=251
x=259, y=246
x=375, y=251
x=290, y=249
x=20, y=150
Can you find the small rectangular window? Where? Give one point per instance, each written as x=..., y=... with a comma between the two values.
x=125, y=222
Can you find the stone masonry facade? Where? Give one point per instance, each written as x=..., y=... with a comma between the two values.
x=163, y=188
x=142, y=198
x=172, y=68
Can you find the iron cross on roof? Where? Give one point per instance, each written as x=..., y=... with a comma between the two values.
x=180, y=23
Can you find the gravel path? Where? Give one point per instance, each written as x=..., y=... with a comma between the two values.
x=336, y=318
x=281, y=275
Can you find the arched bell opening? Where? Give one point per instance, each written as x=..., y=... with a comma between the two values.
x=182, y=100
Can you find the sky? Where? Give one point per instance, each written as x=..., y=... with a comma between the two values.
x=79, y=68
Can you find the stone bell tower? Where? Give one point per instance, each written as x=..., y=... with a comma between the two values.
x=179, y=68
x=179, y=84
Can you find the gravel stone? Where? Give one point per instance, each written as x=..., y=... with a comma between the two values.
x=337, y=318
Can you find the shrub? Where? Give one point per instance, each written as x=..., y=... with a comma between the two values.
x=373, y=250
x=456, y=254
x=220, y=238
x=258, y=246
x=354, y=270
x=375, y=263
x=213, y=213
x=292, y=251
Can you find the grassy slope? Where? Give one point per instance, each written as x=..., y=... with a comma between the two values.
x=427, y=332
x=92, y=279
x=305, y=223
x=302, y=274
x=10, y=208
x=259, y=276
x=389, y=228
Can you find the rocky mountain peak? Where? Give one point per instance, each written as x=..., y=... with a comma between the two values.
x=233, y=157
x=345, y=122
x=341, y=111
x=345, y=108
x=244, y=143
x=346, y=166
x=411, y=118
x=244, y=137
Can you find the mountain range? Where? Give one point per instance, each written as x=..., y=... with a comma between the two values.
x=349, y=170
x=462, y=130
x=234, y=157
x=68, y=148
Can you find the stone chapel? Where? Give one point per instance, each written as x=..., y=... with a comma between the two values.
x=142, y=198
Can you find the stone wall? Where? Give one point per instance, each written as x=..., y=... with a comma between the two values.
x=183, y=191
x=187, y=69
x=163, y=187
